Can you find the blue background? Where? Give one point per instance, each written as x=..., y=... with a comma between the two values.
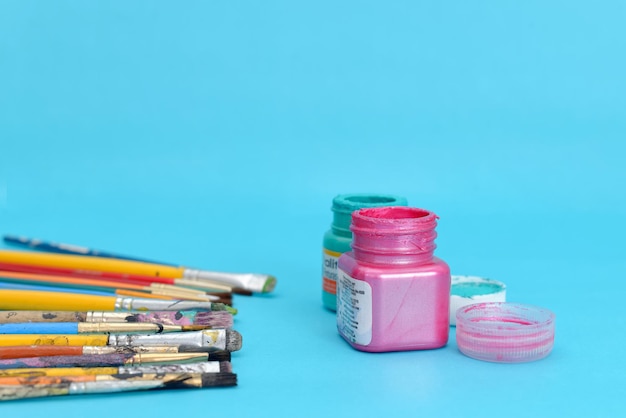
x=215, y=134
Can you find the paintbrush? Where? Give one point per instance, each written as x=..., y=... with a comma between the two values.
x=119, y=384
x=72, y=328
x=107, y=285
x=47, y=380
x=261, y=283
x=103, y=360
x=23, y=351
x=200, y=367
x=255, y=282
x=49, y=288
x=57, y=247
x=207, y=340
x=46, y=287
x=211, y=288
x=34, y=300
x=211, y=319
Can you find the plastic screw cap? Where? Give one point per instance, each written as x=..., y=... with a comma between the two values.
x=505, y=332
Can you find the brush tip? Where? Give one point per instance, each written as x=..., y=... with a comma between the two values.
x=217, y=306
x=214, y=319
x=233, y=340
x=270, y=284
x=219, y=379
x=226, y=367
x=221, y=355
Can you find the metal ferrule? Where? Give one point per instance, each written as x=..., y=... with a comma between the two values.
x=140, y=304
x=130, y=350
x=175, y=289
x=204, y=285
x=250, y=281
x=200, y=367
x=212, y=338
x=113, y=317
x=95, y=327
x=165, y=358
x=109, y=386
x=150, y=349
x=163, y=377
x=90, y=349
x=198, y=297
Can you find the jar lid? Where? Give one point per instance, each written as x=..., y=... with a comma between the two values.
x=466, y=290
x=505, y=332
x=345, y=204
x=348, y=203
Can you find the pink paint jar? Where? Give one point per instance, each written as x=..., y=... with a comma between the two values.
x=392, y=293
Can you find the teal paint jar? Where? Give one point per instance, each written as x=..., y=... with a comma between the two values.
x=338, y=238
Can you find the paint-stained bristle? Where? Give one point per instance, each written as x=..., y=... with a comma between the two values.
x=226, y=367
x=223, y=307
x=219, y=379
x=215, y=319
x=221, y=355
x=270, y=284
x=233, y=340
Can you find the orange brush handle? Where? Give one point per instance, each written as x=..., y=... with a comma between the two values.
x=22, y=351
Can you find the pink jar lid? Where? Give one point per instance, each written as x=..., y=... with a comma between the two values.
x=504, y=332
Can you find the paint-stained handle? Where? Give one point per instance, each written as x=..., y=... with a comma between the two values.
x=10, y=317
x=93, y=360
x=7, y=340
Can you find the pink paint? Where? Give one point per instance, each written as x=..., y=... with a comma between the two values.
x=393, y=294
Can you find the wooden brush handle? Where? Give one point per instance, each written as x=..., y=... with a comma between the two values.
x=23, y=351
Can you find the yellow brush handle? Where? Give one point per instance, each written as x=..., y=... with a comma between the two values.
x=59, y=371
x=99, y=340
x=25, y=300
x=83, y=262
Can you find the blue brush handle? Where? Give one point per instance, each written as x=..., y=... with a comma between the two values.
x=68, y=328
x=55, y=247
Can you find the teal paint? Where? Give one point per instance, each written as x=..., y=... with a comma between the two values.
x=338, y=238
x=467, y=290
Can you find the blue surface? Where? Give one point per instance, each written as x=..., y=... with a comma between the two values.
x=207, y=133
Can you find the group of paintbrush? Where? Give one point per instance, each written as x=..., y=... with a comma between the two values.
x=94, y=323
x=25, y=281
x=50, y=353
x=47, y=333
x=80, y=262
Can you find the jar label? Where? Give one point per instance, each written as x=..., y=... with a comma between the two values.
x=354, y=309
x=329, y=269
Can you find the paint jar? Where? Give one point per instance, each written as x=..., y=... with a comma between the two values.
x=393, y=294
x=338, y=238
